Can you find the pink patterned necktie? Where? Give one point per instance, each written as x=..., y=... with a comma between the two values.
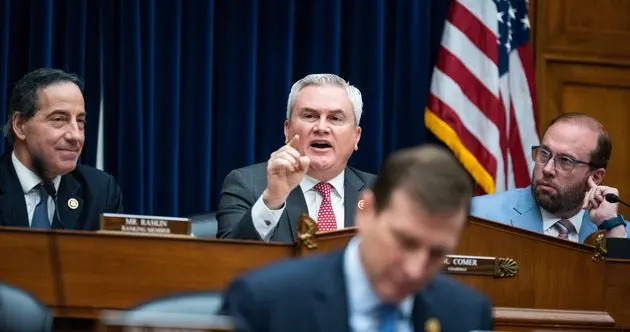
x=564, y=228
x=325, y=217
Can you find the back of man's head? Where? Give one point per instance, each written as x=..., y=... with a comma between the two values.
x=25, y=94
x=430, y=175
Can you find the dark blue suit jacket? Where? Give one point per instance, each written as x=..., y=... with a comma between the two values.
x=310, y=295
x=95, y=191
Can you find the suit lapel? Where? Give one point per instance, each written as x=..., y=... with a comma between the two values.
x=527, y=214
x=295, y=207
x=12, y=204
x=352, y=187
x=69, y=202
x=330, y=304
x=421, y=310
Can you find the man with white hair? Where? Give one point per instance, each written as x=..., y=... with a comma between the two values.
x=309, y=174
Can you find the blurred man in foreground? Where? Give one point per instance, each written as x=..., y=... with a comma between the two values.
x=386, y=278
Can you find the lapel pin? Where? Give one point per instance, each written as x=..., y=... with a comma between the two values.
x=432, y=325
x=361, y=204
x=73, y=203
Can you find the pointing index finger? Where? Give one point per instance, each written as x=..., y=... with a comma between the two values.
x=294, y=141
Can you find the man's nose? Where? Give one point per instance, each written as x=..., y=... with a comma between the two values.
x=74, y=132
x=549, y=167
x=322, y=125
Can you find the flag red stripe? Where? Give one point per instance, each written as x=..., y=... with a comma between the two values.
x=475, y=30
x=454, y=62
x=476, y=91
x=471, y=143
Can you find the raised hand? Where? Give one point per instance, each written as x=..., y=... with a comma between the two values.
x=595, y=203
x=285, y=169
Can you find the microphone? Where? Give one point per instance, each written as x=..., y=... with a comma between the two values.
x=612, y=198
x=52, y=192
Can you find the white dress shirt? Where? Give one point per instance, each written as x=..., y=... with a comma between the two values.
x=549, y=220
x=363, y=303
x=265, y=220
x=29, y=180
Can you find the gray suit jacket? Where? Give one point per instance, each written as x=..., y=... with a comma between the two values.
x=518, y=208
x=242, y=188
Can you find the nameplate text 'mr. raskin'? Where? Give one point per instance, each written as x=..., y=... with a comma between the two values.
x=145, y=224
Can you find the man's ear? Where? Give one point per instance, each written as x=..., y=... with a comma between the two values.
x=286, y=132
x=17, y=125
x=357, y=138
x=598, y=175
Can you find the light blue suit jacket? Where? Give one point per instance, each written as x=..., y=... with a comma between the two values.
x=518, y=208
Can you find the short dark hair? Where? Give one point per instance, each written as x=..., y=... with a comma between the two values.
x=601, y=154
x=25, y=94
x=430, y=175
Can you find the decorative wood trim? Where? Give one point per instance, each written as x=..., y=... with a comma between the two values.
x=574, y=318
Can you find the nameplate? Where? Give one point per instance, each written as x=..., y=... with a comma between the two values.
x=480, y=265
x=149, y=225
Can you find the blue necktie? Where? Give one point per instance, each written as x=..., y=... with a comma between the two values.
x=387, y=318
x=40, y=215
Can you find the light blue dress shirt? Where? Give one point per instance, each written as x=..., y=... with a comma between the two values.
x=363, y=303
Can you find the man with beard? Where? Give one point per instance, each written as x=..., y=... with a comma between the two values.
x=309, y=174
x=41, y=185
x=566, y=198
x=386, y=279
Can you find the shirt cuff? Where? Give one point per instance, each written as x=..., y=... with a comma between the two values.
x=265, y=220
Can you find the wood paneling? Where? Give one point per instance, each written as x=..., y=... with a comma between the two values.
x=116, y=271
x=558, y=286
x=596, y=30
x=583, y=65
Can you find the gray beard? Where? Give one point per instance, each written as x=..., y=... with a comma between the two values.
x=567, y=199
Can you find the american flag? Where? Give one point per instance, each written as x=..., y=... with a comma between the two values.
x=482, y=102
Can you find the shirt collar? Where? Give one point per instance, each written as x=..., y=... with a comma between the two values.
x=361, y=295
x=28, y=179
x=549, y=219
x=309, y=182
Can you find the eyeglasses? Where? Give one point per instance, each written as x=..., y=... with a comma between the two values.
x=562, y=163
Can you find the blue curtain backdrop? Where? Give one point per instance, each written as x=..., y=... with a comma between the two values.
x=195, y=88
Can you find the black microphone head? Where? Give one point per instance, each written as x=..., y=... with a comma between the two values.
x=50, y=189
x=612, y=198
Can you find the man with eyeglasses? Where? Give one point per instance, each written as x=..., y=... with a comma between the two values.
x=566, y=198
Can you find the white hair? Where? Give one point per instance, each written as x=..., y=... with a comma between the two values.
x=327, y=79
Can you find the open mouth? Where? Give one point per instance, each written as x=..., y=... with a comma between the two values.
x=321, y=145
